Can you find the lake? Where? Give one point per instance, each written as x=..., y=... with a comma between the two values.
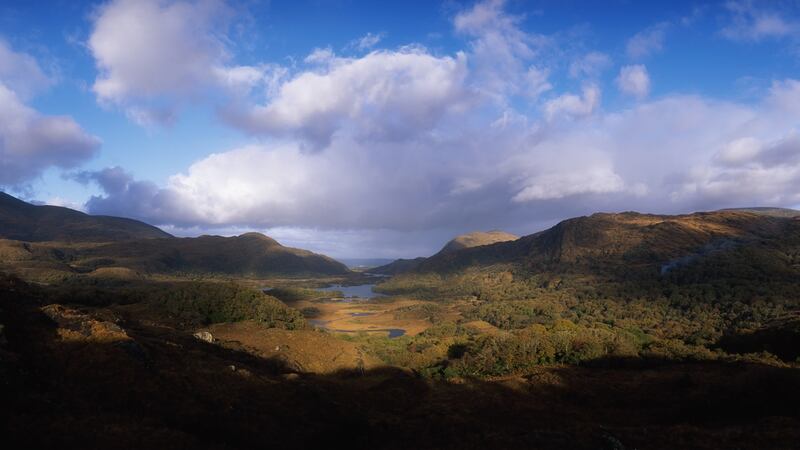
x=358, y=291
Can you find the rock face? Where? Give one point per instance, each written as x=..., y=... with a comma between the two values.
x=75, y=325
x=204, y=336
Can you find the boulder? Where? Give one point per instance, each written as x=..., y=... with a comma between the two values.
x=204, y=336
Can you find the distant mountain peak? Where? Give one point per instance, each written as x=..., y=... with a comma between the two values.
x=477, y=238
x=461, y=242
x=258, y=236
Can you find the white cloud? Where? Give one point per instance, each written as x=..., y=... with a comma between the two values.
x=647, y=42
x=756, y=22
x=153, y=55
x=500, y=51
x=590, y=65
x=31, y=142
x=367, y=41
x=595, y=180
x=537, y=82
x=739, y=151
x=393, y=95
x=21, y=73
x=634, y=80
x=573, y=105
x=320, y=56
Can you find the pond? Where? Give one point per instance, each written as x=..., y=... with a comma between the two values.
x=357, y=291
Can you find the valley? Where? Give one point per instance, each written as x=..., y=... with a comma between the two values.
x=575, y=336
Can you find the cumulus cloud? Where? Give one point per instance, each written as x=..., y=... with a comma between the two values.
x=31, y=142
x=391, y=95
x=751, y=21
x=572, y=105
x=152, y=55
x=634, y=80
x=647, y=41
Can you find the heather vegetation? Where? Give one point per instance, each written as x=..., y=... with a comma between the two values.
x=553, y=319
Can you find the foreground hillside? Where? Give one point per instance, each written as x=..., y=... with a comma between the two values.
x=610, y=331
x=86, y=371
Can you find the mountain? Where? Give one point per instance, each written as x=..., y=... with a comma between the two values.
x=364, y=263
x=252, y=254
x=51, y=241
x=468, y=240
x=23, y=221
x=630, y=245
x=398, y=266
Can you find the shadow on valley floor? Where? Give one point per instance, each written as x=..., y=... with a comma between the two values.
x=153, y=387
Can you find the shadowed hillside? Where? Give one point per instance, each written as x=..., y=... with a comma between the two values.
x=50, y=243
x=23, y=221
x=251, y=254
x=248, y=255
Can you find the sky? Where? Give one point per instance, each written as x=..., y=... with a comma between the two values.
x=383, y=129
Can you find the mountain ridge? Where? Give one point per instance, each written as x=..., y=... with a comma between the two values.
x=23, y=221
x=627, y=242
x=57, y=240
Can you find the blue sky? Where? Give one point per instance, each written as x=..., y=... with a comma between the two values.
x=381, y=129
